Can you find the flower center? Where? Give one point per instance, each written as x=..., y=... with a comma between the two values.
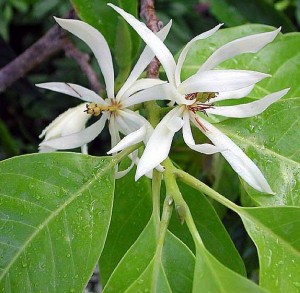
x=200, y=103
x=96, y=109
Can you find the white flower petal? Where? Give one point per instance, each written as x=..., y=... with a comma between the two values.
x=249, y=44
x=238, y=160
x=159, y=92
x=236, y=94
x=204, y=148
x=77, y=139
x=157, y=46
x=139, y=85
x=159, y=144
x=164, y=91
x=187, y=47
x=220, y=81
x=84, y=149
x=175, y=124
x=44, y=149
x=114, y=131
x=73, y=90
x=129, y=140
x=145, y=58
x=249, y=109
x=97, y=43
x=131, y=120
x=71, y=121
x=120, y=174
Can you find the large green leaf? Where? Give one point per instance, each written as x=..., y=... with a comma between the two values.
x=143, y=270
x=211, y=230
x=276, y=234
x=269, y=139
x=236, y=12
x=106, y=20
x=131, y=212
x=55, y=211
x=211, y=276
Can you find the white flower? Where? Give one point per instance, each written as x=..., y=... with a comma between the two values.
x=195, y=97
x=69, y=122
x=69, y=127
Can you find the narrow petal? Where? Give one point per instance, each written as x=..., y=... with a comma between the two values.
x=71, y=121
x=236, y=94
x=159, y=92
x=131, y=120
x=238, y=160
x=164, y=91
x=204, y=148
x=84, y=149
x=77, y=139
x=159, y=144
x=249, y=109
x=129, y=140
x=187, y=48
x=175, y=124
x=157, y=46
x=43, y=149
x=249, y=44
x=97, y=43
x=114, y=131
x=220, y=81
x=145, y=58
x=73, y=90
x=141, y=84
x=122, y=173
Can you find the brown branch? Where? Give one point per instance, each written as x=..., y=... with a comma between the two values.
x=51, y=43
x=148, y=13
x=83, y=61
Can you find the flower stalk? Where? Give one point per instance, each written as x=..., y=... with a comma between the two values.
x=202, y=187
x=182, y=208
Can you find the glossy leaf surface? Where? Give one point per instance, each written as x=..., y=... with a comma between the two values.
x=131, y=212
x=142, y=270
x=275, y=232
x=55, y=211
x=211, y=276
x=211, y=230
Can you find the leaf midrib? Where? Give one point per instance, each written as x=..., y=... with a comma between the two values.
x=273, y=235
x=266, y=150
x=54, y=214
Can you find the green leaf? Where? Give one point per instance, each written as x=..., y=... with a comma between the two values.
x=275, y=232
x=268, y=139
x=211, y=276
x=142, y=270
x=225, y=181
x=131, y=212
x=122, y=52
x=274, y=147
x=211, y=230
x=55, y=211
x=235, y=12
x=105, y=19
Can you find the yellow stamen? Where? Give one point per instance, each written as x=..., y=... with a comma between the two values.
x=96, y=109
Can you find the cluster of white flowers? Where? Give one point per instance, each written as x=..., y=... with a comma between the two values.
x=193, y=98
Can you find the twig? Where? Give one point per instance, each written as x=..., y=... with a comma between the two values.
x=51, y=43
x=83, y=61
x=148, y=13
